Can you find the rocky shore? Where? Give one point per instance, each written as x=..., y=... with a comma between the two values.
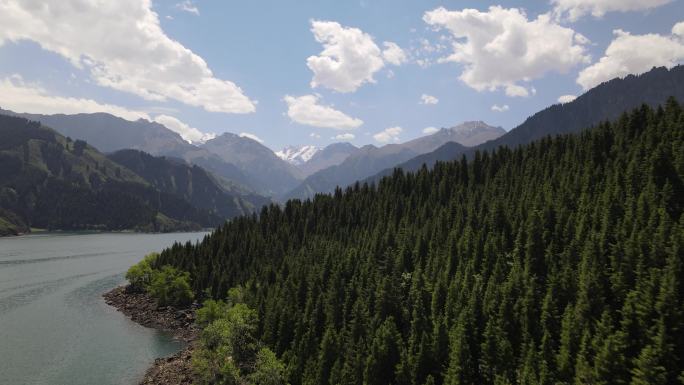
x=142, y=309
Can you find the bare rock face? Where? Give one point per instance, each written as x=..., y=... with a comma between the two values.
x=143, y=309
x=174, y=370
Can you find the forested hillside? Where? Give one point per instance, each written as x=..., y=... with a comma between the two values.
x=556, y=262
x=191, y=182
x=49, y=181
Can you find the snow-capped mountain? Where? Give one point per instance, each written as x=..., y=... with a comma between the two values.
x=297, y=155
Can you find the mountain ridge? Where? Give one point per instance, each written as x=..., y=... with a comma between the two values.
x=604, y=102
x=266, y=172
x=369, y=159
x=50, y=181
x=193, y=183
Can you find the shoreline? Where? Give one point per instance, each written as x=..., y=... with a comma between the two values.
x=89, y=232
x=142, y=309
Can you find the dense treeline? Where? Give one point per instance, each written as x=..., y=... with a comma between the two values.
x=554, y=263
x=53, y=182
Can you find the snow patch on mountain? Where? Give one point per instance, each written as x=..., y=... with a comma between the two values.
x=297, y=155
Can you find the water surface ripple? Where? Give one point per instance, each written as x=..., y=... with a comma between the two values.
x=54, y=325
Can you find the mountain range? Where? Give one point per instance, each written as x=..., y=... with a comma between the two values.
x=248, y=171
x=243, y=165
x=109, y=133
x=602, y=103
x=265, y=172
x=51, y=181
x=370, y=159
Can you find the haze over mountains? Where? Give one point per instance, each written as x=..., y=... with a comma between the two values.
x=52, y=182
x=243, y=165
x=604, y=102
x=231, y=175
x=370, y=159
x=191, y=182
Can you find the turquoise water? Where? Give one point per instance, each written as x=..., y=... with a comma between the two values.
x=54, y=325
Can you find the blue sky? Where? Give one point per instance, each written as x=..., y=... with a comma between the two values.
x=75, y=56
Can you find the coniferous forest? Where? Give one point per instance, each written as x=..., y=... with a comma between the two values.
x=557, y=262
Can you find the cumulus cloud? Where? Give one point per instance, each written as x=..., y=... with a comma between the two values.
x=314, y=135
x=346, y=136
x=428, y=99
x=500, y=48
x=498, y=108
x=188, y=133
x=349, y=58
x=393, y=54
x=124, y=48
x=574, y=9
x=633, y=54
x=251, y=136
x=20, y=96
x=387, y=135
x=566, y=98
x=188, y=6
x=516, y=90
x=306, y=110
x=430, y=130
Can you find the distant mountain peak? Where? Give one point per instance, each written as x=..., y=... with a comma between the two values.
x=297, y=155
x=472, y=133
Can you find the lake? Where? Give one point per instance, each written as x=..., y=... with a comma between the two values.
x=54, y=325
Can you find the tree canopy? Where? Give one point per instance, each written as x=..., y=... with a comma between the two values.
x=556, y=262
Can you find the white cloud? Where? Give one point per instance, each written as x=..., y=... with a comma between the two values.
x=346, y=136
x=189, y=134
x=498, y=108
x=513, y=90
x=633, y=54
x=387, y=135
x=123, y=47
x=19, y=96
x=500, y=48
x=314, y=135
x=393, y=54
x=574, y=9
x=430, y=130
x=349, y=58
x=251, y=136
x=566, y=98
x=428, y=99
x=188, y=6
x=306, y=110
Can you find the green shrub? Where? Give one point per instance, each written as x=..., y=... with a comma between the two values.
x=215, y=367
x=229, y=353
x=171, y=287
x=210, y=311
x=140, y=274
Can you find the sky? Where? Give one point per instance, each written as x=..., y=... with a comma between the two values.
x=316, y=72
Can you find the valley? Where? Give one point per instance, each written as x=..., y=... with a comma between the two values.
x=341, y=193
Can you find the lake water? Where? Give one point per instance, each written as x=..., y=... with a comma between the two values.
x=54, y=325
